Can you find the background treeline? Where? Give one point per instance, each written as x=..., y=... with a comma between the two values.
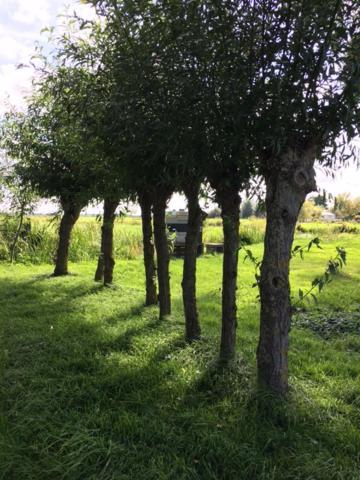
x=342, y=206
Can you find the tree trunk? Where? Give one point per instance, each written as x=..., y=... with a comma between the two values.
x=285, y=194
x=229, y=200
x=68, y=220
x=110, y=206
x=17, y=234
x=149, y=251
x=99, y=274
x=195, y=217
x=162, y=252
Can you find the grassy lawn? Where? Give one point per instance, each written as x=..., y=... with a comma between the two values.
x=94, y=387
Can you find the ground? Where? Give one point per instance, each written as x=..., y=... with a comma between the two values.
x=94, y=387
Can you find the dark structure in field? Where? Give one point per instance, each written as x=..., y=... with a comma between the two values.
x=177, y=221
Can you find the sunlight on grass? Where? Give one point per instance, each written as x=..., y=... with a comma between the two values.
x=95, y=387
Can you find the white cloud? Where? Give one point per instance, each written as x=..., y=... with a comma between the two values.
x=20, y=24
x=12, y=49
x=83, y=10
x=15, y=86
x=16, y=45
x=31, y=12
x=346, y=179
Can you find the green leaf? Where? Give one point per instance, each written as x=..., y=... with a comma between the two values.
x=314, y=297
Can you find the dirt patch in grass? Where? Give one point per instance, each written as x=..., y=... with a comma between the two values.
x=329, y=323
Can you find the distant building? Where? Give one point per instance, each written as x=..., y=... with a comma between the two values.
x=328, y=216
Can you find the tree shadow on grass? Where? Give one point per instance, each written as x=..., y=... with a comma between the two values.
x=110, y=397
x=56, y=380
x=265, y=436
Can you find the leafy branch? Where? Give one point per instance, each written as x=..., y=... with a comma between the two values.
x=333, y=267
x=297, y=250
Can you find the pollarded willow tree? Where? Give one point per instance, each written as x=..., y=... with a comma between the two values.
x=51, y=146
x=123, y=126
x=88, y=53
x=308, y=73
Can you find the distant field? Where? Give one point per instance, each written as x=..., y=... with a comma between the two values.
x=39, y=244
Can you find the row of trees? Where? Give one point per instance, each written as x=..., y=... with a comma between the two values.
x=343, y=206
x=310, y=211
x=158, y=97
x=248, y=209
x=347, y=207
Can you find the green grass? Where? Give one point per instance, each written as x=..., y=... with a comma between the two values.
x=94, y=387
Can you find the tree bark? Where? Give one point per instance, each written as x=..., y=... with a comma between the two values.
x=149, y=250
x=286, y=190
x=106, y=262
x=99, y=274
x=17, y=234
x=229, y=200
x=68, y=220
x=162, y=252
x=195, y=217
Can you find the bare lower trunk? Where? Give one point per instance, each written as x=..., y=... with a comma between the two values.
x=286, y=192
x=106, y=262
x=192, y=325
x=68, y=220
x=110, y=206
x=149, y=250
x=162, y=253
x=99, y=274
x=229, y=200
x=17, y=234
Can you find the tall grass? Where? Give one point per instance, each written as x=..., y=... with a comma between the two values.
x=38, y=242
x=38, y=245
x=328, y=229
x=251, y=231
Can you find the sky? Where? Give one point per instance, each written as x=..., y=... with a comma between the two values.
x=21, y=22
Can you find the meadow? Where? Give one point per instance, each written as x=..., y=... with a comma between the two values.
x=94, y=387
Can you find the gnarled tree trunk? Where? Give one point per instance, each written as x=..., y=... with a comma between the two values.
x=68, y=220
x=229, y=200
x=149, y=250
x=162, y=252
x=286, y=191
x=195, y=217
x=106, y=262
